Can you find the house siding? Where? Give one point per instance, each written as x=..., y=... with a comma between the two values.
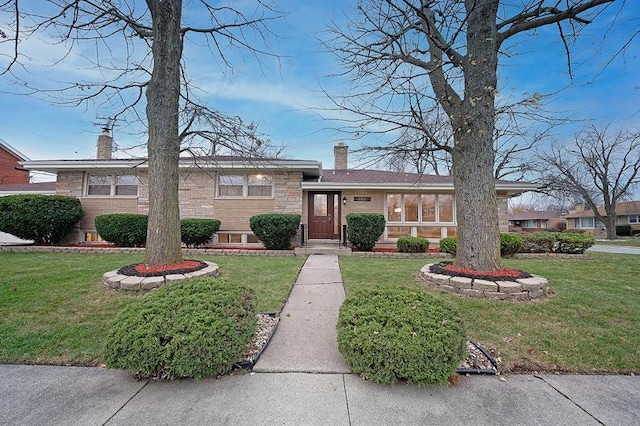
x=197, y=192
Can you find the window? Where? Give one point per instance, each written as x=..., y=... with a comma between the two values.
x=255, y=185
x=112, y=185
x=584, y=222
x=633, y=219
x=92, y=236
x=529, y=223
x=420, y=215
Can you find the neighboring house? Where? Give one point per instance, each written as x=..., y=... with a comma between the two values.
x=627, y=213
x=536, y=221
x=232, y=189
x=11, y=172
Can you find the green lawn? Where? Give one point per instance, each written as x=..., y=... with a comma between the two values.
x=590, y=324
x=54, y=308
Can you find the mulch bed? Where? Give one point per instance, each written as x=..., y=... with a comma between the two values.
x=447, y=268
x=142, y=270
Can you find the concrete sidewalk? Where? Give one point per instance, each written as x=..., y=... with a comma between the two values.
x=306, y=338
x=36, y=395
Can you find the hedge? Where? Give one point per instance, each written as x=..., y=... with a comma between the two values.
x=45, y=219
x=412, y=245
x=196, y=232
x=123, y=229
x=364, y=229
x=275, y=230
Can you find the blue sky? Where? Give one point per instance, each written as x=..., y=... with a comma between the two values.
x=284, y=97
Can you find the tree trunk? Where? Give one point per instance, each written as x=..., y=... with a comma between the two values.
x=163, y=94
x=473, y=155
x=610, y=223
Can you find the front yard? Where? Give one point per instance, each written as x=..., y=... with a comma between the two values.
x=54, y=308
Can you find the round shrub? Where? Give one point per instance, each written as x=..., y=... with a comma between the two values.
x=572, y=243
x=390, y=333
x=449, y=245
x=364, y=229
x=510, y=244
x=123, y=229
x=537, y=242
x=275, y=230
x=413, y=245
x=195, y=328
x=45, y=219
x=196, y=232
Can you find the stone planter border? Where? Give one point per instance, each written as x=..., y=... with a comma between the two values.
x=522, y=289
x=133, y=283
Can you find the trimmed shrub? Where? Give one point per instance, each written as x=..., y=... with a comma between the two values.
x=123, y=229
x=413, y=245
x=449, y=245
x=510, y=244
x=538, y=242
x=572, y=243
x=275, y=230
x=623, y=230
x=392, y=333
x=364, y=229
x=45, y=219
x=196, y=232
x=195, y=328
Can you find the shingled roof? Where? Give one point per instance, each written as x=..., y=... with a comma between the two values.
x=622, y=209
x=536, y=215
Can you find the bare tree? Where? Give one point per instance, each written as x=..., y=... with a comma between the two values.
x=138, y=50
x=427, y=53
x=600, y=167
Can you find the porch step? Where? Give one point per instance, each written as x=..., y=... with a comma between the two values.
x=323, y=249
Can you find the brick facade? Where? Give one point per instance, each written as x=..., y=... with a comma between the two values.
x=10, y=171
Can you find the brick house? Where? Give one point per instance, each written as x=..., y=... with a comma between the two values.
x=232, y=189
x=627, y=213
x=11, y=172
x=536, y=221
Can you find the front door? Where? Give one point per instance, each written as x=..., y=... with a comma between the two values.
x=324, y=215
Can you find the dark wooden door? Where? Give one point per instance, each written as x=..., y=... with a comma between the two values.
x=324, y=215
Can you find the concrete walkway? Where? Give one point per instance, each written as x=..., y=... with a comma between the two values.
x=306, y=338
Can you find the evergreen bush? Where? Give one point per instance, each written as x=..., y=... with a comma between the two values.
x=510, y=244
x=45, y=219
x=194, y=328
x=538, y=242
x=413, y=245
x=196, y=232
x=571, y=243
x=623, y=230
x=275, y=230
x=123, y=229
x=448, y=245
x=364, y=229
x=393, y=333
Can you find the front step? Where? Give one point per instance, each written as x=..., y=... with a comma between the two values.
x=323, y=249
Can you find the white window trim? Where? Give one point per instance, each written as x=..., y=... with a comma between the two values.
x=636, y=217
x=580, y=224
x=245, y=187
x=415, y=225
x=113, y=185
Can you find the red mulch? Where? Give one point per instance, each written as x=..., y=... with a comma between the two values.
x=142, y=270
x=505, y=274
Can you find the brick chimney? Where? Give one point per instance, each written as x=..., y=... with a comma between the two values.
x=105, y=145
x=340, y=152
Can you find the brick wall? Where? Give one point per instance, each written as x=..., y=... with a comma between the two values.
x=10, y=171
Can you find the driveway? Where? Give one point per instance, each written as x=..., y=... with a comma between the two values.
x=10, y=240
x=615, y=249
